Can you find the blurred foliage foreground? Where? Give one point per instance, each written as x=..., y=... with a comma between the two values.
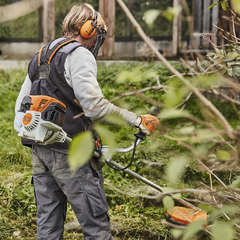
x=191, y=156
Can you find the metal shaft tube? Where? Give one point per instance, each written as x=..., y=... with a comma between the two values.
x=155, y=186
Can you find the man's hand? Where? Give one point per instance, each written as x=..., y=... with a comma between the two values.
x=147, y=124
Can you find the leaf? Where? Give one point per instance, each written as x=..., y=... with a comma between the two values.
x=225, y=6
x=209, y=81
x=81, y=150
x=175, y=94
x=235, y=4
x=176, y=233
x=167, y=189
x=177, y=196
x=230, y=72
x=223, y=155
x=235, y=183
x=170, y=12
x=168, y=203
x=107, y=138
x=214, y=4
x=236, y=71
x=150, y=16
x=229, y=209
x=176, y=168
x=222, y=231
x=115, y=120
x=172, y=113
x=193, y=229
x=211, y=54
x=135, y=75
x=205, y=135
x=187, y=130
x=201, y=149
x=232, y=55
x=212, y=156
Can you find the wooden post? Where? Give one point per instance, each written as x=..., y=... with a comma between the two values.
x=197, y=14
x=40, y=23
x=176, y=30
x=107, y=10
x=48, y=20
x=206, y=24
x=129, y=24
x=215, y=10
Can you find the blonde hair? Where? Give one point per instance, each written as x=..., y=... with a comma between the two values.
x=77, y=16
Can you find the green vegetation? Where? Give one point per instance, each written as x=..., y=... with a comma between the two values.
x=140, y=218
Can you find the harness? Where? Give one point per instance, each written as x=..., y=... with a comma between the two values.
x=43, y=71
x=45, y=57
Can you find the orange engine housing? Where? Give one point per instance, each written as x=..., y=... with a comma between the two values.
x=50, y=109
x=41, y=102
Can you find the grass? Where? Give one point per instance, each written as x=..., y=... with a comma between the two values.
x=138, y=218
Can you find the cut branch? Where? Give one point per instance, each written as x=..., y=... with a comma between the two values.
x=205, y=101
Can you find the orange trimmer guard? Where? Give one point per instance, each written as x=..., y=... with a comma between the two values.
x=185, y=216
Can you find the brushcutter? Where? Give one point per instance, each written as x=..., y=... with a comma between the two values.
x=179, y=215
x=42, y=118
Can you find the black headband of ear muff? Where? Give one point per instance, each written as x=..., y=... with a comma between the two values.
x=101, y=35
x=100, y=40
x=94, y=24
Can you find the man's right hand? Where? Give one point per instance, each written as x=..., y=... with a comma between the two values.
x=147, y=124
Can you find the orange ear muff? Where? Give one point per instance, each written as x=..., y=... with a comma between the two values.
x=87, y=30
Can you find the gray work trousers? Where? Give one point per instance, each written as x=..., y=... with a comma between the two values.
x=54, y=184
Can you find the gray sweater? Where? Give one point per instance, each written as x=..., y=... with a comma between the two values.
x=81, y=74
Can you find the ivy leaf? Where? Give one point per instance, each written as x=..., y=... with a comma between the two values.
x=168, y=203
x=80, y=150
x=222, y=231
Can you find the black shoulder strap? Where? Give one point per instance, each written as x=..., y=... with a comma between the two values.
x=46, y=54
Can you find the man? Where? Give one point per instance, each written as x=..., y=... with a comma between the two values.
x=69, y=75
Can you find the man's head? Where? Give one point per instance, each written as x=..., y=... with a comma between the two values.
x=77, y=21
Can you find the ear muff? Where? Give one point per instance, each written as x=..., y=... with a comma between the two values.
x=89, y=27
x=87, y=30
